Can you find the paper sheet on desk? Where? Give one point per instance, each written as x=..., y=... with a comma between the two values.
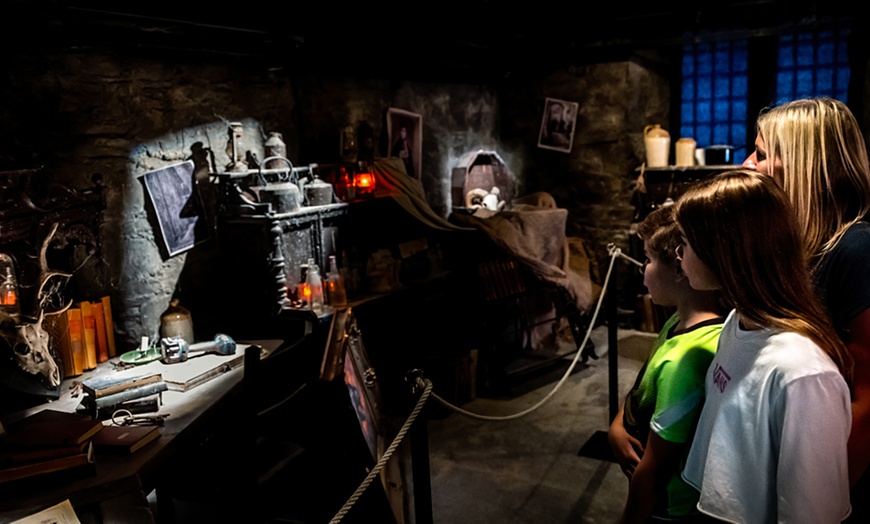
x=61, y=513
x=184, y=376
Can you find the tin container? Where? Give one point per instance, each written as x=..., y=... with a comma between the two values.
x=318, y=192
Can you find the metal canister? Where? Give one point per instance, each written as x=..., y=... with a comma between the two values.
x=318, y=192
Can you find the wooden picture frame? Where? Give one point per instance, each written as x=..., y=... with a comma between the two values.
x=557, y=125
x=405, y=139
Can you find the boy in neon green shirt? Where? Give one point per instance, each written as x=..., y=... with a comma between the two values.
x=653, y=429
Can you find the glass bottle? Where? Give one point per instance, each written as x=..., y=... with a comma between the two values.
x=9, y=291
x=315, y=286
x=335, y=285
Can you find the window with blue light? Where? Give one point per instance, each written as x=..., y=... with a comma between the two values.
x=813, y=64
x=714, y=94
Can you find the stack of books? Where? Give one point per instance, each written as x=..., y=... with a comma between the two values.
x=110, y=392
x=48, y=442
x=84, y=335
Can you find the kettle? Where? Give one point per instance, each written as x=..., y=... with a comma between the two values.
x=284, y=197
x=657, y=142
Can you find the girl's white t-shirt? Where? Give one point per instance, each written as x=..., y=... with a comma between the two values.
x=771, y=440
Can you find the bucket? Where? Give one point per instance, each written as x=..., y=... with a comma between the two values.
x=657, y=142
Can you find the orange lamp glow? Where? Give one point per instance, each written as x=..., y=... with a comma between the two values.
x=364, y=183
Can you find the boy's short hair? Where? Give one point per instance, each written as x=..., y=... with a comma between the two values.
x=660, y=232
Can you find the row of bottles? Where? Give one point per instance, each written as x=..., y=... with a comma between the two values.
x=315, y=293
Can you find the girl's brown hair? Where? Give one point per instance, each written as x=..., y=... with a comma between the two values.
x=741, y=225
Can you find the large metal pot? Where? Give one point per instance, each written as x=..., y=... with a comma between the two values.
x=719, y=155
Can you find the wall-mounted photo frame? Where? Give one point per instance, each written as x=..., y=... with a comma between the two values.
x=557, y=125
x=405, y=132
x=177, y=206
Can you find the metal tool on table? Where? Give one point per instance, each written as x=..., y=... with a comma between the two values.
x=176, y=349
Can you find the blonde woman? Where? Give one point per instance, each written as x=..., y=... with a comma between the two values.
x=815, y=149
x=771, y=440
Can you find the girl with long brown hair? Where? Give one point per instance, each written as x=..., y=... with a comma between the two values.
x=771, y=439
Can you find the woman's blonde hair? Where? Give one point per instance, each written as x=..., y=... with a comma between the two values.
x=824, y=167
x=740, y=224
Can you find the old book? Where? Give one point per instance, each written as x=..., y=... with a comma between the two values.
x=110, y=326
x=149, y=404
x=50, y=427
x=125, y=395
x=111, y=383
x=77, y=346
x=83, y=461
x=89, y=335
x=125, y=439
x=57, y=327
x=15, y=455
x=100, y=330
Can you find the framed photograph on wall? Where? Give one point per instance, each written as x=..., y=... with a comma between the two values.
x=405, y=132
x=177, y=206
x=557, y=125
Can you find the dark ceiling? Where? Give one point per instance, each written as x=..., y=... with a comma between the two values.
x=409, y=39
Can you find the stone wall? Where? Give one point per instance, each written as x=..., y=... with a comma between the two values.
x=595, y=180
x=86, y=112
x=82, y=113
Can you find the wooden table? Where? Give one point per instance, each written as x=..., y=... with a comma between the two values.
x=131, y=477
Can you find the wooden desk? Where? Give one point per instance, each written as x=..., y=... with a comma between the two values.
x=118, y=476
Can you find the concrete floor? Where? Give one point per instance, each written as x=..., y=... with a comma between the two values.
x=525, y=470
x=529, y=469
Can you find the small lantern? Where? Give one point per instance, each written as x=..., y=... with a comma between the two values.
x=364, y=181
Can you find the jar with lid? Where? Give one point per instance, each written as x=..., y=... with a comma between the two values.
x=177, y=322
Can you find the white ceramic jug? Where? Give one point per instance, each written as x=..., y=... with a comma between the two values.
x=685, y=152
x=657, y=142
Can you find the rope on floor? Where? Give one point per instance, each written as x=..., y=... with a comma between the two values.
x=425, y=385
x=615, y=253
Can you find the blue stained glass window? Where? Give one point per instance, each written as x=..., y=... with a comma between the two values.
x=705, y=89
x=739, y=87
x=821, y=67
x=714, y=107
x=715, y=87
x=786, y=57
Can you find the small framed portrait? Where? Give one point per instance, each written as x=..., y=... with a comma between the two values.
x=179, y=211
x=557, y=125
x=405, y=132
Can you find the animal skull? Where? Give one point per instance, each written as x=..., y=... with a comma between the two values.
x=30, y=346
x=27, y=337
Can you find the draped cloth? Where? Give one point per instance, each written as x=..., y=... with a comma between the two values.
x=408, y=192
x=533, y=231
